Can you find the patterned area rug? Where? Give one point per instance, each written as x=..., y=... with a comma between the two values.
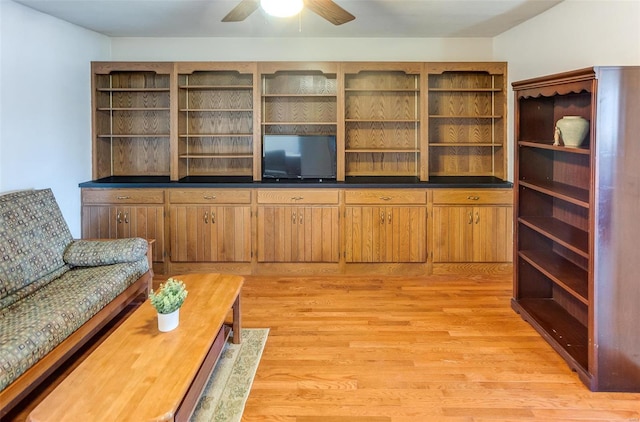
x=228, y=388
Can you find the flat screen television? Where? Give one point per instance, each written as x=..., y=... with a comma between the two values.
x=299, y=157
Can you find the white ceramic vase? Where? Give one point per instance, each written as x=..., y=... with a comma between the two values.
x=573, y=130
x=168, y=322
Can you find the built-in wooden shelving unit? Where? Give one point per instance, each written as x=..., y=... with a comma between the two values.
x=193, y=119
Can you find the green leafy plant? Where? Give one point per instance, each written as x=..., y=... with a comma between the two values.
x=169, y=297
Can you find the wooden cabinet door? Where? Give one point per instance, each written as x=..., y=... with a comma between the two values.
x=230, y=239
x=364, y=233
x=210, y=234
x=318, y=234
x=298, y=234
x=117, y=222
x=472, y=234
x=452, y=234
x=492, y=234
x=275, y=228
x=385, y=234
x=146, y=222
x=99, y=222
x=190, y=233
x=407, y=239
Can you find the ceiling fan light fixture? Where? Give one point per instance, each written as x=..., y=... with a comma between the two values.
x=281, y=8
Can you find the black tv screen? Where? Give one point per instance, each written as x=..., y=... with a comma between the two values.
x=299, y=157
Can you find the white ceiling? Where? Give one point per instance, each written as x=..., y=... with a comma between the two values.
x=374, y=18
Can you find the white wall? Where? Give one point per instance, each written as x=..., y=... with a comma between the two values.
x=303, y=49
x=572, y=35
x=45, y=103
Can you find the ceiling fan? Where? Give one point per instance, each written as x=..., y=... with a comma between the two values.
x=326, y=9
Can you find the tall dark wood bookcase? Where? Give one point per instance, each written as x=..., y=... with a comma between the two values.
x=576, y=222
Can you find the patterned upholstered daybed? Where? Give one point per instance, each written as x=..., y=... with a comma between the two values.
x=56, y=292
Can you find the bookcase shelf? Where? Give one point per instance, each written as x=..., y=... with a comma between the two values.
x=572, y=275
x=466, y=119
x=131, y=119
x=382, y=117
x=216, y=119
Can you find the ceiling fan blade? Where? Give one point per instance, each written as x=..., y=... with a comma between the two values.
x=329, y=10
x=242, y=11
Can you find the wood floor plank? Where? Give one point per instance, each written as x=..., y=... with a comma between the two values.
x=392, y=349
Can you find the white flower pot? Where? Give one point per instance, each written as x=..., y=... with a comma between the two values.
x=168, y=322
x=573, y=130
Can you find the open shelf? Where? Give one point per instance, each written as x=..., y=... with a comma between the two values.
x=131, y=121
x=566, y=334
x=568, y=193
x=216, y=87
x=133, y=135
x=565, y=234
x=466, y=124
x=499, y=89
x=379, y=150
x=465, y=116
x=299, y=123
x=133, y=109
x=223, y=110
x=218, y=156
x=464, y=144
x=548, y=144
x=563, y=272
x=299, y=102
x=374, y=90
x=134, y=89
x=215, y=121
x=382, y=122
x=216, y=135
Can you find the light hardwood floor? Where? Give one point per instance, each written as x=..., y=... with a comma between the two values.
x=391, y=349
x=437, y=348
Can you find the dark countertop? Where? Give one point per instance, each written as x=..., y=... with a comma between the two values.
x=247, y=182
x=396, y=182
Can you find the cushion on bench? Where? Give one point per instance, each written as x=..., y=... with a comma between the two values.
x=33, y=238
x=92, y=253
x=32, y=287
x=35, y=325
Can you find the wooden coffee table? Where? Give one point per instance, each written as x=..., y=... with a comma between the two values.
x=140, y=374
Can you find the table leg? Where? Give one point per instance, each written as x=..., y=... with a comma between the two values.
x=237, y=335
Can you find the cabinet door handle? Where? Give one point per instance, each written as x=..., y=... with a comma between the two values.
x=209, y=197
x=293, y=218
x=206, y=217
x=473, y=198
x=300, y=215
x=470, y=217
x=119, y=217
x=123, y=197
x=385, y=198
x=381, y=217
x=126, y=217
x=477, y=217
x=389, y=215
x=213, y=217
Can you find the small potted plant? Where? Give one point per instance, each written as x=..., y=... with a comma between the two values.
x=167, y=301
